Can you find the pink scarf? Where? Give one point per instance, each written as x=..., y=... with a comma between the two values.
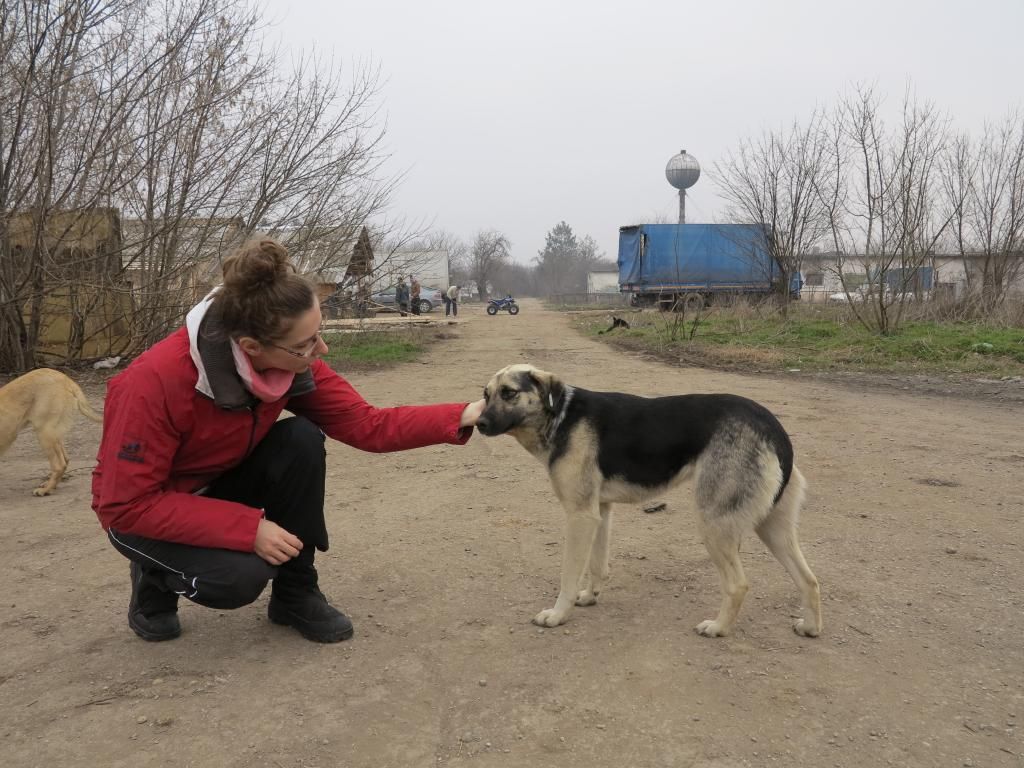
x=269, y=385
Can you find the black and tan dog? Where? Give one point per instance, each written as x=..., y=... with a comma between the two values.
x=603, y=447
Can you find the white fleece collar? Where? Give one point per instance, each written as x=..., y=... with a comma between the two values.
x=193, y=320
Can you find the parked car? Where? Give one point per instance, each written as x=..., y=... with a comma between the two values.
x=429, y=298
x=856, y=296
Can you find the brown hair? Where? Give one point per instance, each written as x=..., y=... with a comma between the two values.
x=262, y=293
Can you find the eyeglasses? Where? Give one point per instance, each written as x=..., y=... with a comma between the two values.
x=311, y=346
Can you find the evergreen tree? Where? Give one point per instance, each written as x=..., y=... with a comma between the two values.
x=563, y=264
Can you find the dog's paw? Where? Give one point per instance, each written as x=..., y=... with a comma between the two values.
x=586, y=597
x=711, y=628
x=41, y=492
x=803, y=628
x=549, y=618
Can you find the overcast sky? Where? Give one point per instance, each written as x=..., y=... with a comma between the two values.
x=516, y=115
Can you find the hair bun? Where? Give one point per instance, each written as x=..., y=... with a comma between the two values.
x=257, y=265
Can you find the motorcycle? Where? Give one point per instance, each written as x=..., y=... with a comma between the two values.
x=507, y=303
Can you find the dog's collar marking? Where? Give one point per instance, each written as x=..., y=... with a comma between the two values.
x=561, y=414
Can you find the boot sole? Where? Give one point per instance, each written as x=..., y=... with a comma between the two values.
x=286, y=619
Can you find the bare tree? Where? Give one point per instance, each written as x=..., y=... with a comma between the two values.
x=773, y=182
x=490, y=251
x=517, y=279
x=398, y=247
x=177, y=121
x=984, y=185
x=189, y=157
x=881, y=201
x=457, y=250
x=235, y=148
x=66, y=94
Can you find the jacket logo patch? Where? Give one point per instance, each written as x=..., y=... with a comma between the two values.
x=132, y=450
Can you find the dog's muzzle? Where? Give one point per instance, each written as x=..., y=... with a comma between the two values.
x=490, y=426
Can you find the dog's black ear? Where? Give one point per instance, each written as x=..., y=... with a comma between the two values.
x=550, y=388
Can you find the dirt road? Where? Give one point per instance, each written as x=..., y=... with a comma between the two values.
x=913, y=526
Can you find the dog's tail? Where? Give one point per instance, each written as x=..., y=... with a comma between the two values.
x=83, y=405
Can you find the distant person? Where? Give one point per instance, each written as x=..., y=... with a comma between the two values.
x=402, y=297
x=414, y=291
x=199, y=483
x=452, y=300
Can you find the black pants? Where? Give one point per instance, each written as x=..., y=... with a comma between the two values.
x=284, y=476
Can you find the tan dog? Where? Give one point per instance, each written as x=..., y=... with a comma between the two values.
x=600, y=448
x=48, y=400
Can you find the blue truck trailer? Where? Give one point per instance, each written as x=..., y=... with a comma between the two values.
x=686, y=264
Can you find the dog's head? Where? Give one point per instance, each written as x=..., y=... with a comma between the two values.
x=520, y=396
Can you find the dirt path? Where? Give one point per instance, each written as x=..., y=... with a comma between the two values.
x=442, y=555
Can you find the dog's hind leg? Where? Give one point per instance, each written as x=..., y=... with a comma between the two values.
x=6, y=439
x=597, y=574
x=53, y=445
x=779, y=533
x=722, y=539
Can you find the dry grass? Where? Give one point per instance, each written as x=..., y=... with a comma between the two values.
x=822, y=337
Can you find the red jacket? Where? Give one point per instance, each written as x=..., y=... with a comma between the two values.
x=163, y=440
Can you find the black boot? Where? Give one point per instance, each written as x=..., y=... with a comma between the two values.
x=296, y=601
x=152, y=611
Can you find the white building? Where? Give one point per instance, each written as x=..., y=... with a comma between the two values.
x=429, y=267
x=602, y=282
x=821, y=274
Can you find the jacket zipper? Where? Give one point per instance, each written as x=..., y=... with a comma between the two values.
x=252, y=432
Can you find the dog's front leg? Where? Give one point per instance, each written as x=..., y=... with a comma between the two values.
x=580, y=529
x=596, y=575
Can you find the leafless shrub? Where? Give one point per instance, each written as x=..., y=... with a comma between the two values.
x=174, y=129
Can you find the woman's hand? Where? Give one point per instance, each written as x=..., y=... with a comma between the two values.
x=471, y=413
x=274, y=544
